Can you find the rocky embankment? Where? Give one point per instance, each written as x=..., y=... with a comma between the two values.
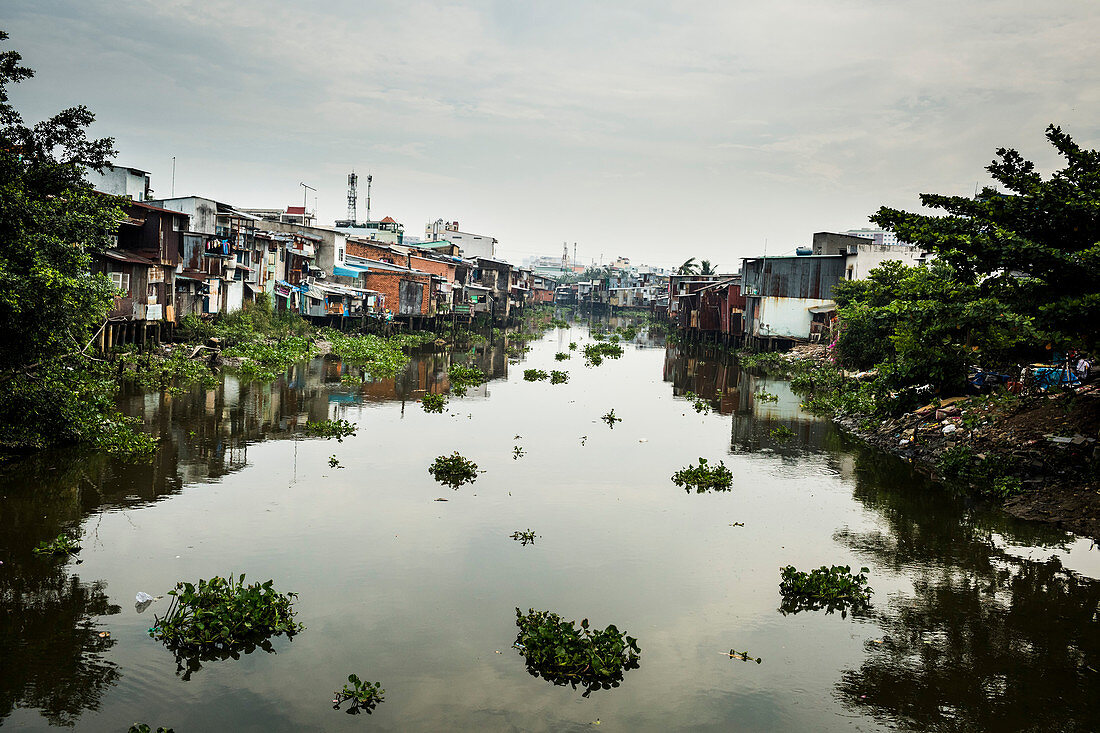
x=1048, y=441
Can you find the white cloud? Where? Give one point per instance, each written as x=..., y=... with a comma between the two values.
x=578, y=121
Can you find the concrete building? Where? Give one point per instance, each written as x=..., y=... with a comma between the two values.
x=473, y=245
x=289, y=215
x=878, y=236
x=863, y=254
x=385, y=230
x=120, y=181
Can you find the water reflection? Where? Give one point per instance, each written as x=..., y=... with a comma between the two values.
x=53, y=656
x=979, y=628
x=986, y=640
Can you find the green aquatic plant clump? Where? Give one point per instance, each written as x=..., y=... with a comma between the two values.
x=698, y=402
x=832, y=588
x=453, y=470
x=594, y=354
x=524, y=537
x=263, y=360
x=563, y=355
x=781, y=433
x=704, y=477
x=629, y=333
x=561, y=653
x=223, y=615
x=557, y=377
x=463, y=377
x=62, y=545
x=534, y=375
x=364, y=696
x=610, y=418
x=144, y=728
x=432, y=402
x=338, y=429
x=378, y=357
x=174, y=373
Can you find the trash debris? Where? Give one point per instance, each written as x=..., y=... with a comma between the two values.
x=441, y=499
x=143, y=600
x=104, y=634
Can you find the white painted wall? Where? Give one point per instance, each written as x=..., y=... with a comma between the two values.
x=234, y=296
x=785, y=317
x=119, y=182
x=869, y=256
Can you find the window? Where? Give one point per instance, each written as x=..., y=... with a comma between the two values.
x=121, y=281
x=175, y=223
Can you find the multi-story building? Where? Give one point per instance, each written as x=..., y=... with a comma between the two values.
x=878, y=236
x=473, y=245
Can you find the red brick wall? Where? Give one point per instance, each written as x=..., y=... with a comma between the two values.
x=435, y=267
x=388, y=283
x=372, y=252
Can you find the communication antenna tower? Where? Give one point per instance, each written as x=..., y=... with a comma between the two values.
x=564, y=256
x=353, y=194
x=369, y=179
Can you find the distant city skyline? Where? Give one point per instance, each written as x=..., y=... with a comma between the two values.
x=648, y=131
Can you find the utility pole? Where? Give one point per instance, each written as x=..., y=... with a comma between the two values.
x=304, y=189
x=173, y=176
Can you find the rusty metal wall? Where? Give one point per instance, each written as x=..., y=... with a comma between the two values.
x=792, y=277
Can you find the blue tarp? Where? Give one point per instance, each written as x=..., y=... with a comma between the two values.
x=349, y=270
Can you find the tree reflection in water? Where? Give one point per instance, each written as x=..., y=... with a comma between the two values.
x=987, y=641
x=51, y=647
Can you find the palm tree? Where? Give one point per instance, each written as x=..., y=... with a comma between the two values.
x=705, y=268
x=688, y=268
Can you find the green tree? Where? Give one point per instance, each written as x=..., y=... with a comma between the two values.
x=1036, y=248
x=924, y=324
x=51, y=306
x=706, y=268
x=688, y=268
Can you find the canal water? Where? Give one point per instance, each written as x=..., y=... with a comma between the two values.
x=978, y=621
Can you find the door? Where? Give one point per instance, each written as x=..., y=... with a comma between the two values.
x=411, y=295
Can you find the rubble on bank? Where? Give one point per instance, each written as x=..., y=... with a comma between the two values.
x=1049, y=441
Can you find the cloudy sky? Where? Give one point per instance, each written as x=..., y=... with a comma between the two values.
x=652, y=130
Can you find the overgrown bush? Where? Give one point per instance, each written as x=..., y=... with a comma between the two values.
x=992, y=477
x=561, y=653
